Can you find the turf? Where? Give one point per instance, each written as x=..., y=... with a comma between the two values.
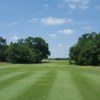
x=52, y=80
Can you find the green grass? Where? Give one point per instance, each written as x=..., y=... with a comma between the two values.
x=55, y=80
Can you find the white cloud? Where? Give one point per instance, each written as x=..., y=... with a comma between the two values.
x=53, y=50
x=15, y=38
x=46, y=6
x=81, y=4
x=72, y=6
x=51, y=21
x=87, y=27
x=66, y=31
x=10, y=23
x=53, y=35
x=60, y=5
x=34, y=20
x=59, y=45
x=83, y=7
x=82, y=22
x=55, y=21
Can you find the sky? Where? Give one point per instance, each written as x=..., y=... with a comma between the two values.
x=59, y=22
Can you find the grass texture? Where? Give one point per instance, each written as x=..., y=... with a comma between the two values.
x=54, y=80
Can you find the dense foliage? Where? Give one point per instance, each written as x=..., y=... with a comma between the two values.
x=29, y=50
x=3, y=47
x=87, y=50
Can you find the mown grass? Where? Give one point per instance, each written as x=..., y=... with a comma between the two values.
x=52, y=80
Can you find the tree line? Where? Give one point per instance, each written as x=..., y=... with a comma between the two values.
x=29, y=50
x=87, y=50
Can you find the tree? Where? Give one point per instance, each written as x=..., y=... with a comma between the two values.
x=39, y=46
x=19, y=53
x=3, y=47
x=87, y=50
x=30, y=50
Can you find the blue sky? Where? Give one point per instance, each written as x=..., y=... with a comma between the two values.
x=59, y=22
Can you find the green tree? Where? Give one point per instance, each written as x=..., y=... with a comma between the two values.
x=87, y=50
x=30, y=50
x=3, y=47
x=19, y=53
x=39, y=46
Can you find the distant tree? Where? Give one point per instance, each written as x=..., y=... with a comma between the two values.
x=87, y=50
x=39, y=46
x=19, y=53
x=30, y=50
x=3, y=47
x=2, y=41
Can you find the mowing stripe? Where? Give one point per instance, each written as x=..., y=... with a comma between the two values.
x=64, y=88
x=20, y=86
x=39, y=90
x=10, y=75
x=8, y=66
x=4, y=72
x=86, y=86
x=95, y=78
x=12, y=80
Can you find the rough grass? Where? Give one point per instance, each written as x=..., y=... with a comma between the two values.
x=54, y=80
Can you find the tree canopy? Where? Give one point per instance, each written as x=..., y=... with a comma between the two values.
x=3, y=47
x=29, y=50
x=87, y=50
